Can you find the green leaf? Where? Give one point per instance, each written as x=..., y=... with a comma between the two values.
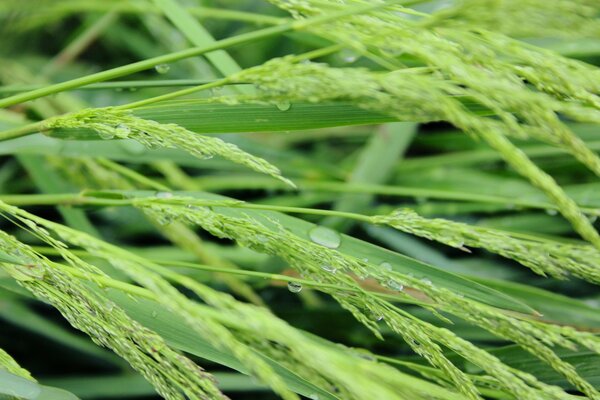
x=17, y=386
x=224, y=118
x=122, y=386
x=24, y=389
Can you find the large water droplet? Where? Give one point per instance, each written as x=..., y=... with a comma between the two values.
x=162, y=68
x=329, y=268
x=394, y=285
x=132, y=147
x=106, y=135
x=325, y=237
x=349, y=56
x=386, y=265
x=163, y=195
x=122, y=130
x=294, y=287
x=377, y=317
x=284, y=105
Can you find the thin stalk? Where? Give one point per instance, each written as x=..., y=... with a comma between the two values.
x=106, y=281
x=73, y=199
x=172, y=95
x=23, y=130
x=159, y=83
x=79, y=199
x=244, y=182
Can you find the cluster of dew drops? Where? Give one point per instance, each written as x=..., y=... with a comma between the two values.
x=331, y=239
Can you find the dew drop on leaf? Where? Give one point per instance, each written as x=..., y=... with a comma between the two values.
x=284, y=105
x=294, y=287
x=122, y=130
x=106, y=135
x=328, y=268
x=132, y=147
x=551, y=211
x=325, y=237
x=162, y=68
x=163, y=195
x=386, y=265
x=349, y=56
x=394, y=285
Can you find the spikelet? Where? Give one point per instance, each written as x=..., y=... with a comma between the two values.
x=111, y=123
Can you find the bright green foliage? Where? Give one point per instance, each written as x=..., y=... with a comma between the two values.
x=156, y=275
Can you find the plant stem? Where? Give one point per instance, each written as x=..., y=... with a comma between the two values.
x=145, y=293
x=120, y=85
x=23, y=130
x=245, y=182
x=172, y=95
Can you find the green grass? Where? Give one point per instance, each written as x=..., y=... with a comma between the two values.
x=313, y=199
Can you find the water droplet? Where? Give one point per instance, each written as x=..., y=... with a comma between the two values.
x=122, y=130
x=348, y=56
x=328, y=268
x=551, y=211
x=592, y=218
x=365, y=260
x=426, y=281
x=314, y=396
x=394, y=285
x=154, y=314
x=386, y=265
x=106, y=135
x=284, y=105
x=377, y=317
x=325, y=237
x=163, y=195
x=162, y=68
x=132, y=147
x=294, y=287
